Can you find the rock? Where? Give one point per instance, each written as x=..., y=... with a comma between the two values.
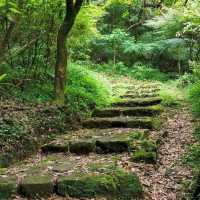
x=149, y=101
x=37, y=186
x=55, y=147
x=113, y=145
x=128, y=111
x=116, y=185
x=138, y=95
x=122, y=122
x=82, y=146
x=8, y=187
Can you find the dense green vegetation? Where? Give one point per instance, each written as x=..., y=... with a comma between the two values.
x=60, y=60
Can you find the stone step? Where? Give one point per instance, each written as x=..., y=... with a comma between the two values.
x=97, y=143
x=71, y=176
x=128, y=111
x=139, y=95
x=148, y=101
x=121, y=122
x=138, y=86
x=142, y=90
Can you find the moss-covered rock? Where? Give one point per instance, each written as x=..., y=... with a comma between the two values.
x=113, y=145
x=139, y=95
x=55, y=147
x=82, y=146
x=8, y=188
x=36, y=186
x=120, y=122
x=149, y=101
x=128, y=111
x=118, y=185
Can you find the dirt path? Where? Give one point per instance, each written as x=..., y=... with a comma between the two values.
x=164, y=181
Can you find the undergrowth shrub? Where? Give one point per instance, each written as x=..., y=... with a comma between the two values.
x=194, y=97
x=146, y=72
x=185, y=80
x=86, y=89
x=168, y=99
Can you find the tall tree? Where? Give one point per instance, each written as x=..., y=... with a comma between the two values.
x=72, y=9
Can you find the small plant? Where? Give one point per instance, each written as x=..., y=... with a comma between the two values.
x=194, y=97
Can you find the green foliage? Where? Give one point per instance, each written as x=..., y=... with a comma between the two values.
x=194, y=97
x=11, y=129
x=146, y=72
x=168, y=99
x=193, y=156
x=185, y=80
x=86, y=89
x=2, y=77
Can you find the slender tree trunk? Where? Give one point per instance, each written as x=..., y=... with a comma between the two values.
x=60, y=70
x=72, y=9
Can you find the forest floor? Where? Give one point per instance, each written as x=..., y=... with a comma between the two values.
x=161, y=180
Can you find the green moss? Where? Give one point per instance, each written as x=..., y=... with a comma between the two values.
x=82, y=146
x=55, y=148
x=143, y=155
x=8, y=187
x=128, y=186
x=157, y=123
x=118, y=184
x=145, y=151
x=36, y=186
x=87, y=186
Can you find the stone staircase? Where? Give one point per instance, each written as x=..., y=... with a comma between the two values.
x=85, y=163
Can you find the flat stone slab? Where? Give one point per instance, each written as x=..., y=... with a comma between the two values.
x=122, y=122
x=36, y=186
x=94, y=142
x=133, y=95
x=142, y=90
x=149, y=101
x=128, y=111
x=80, y=177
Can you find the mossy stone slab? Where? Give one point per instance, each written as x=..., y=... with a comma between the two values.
x=132, y=95
x=148, y=101
x=8, y=188
x=113, y=144
x=118, y=185
x=37, y=186
x=128, y=111
x=55, y=147
x=120, y=122
x=82, y=146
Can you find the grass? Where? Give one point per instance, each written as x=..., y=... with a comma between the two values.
x=171, y=94
x=194, y=97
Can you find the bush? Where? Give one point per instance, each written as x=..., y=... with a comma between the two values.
x=168, y=99
x=86, y=89
x=147, y=72
x=186, y=80
x=194, y=97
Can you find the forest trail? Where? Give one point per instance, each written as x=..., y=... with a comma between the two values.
x=136, y=137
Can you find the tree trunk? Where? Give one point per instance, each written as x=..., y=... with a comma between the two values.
x=72, y=9
x=60, y=70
